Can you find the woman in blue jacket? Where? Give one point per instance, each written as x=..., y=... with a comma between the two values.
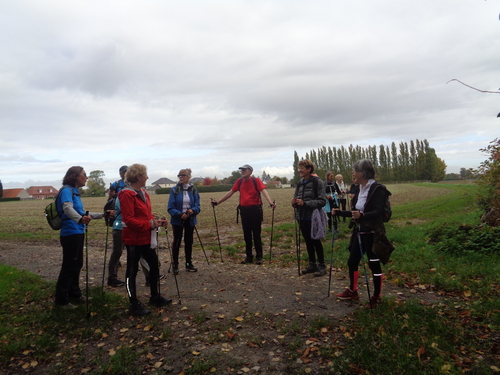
x=183, y=206
x=70, y=206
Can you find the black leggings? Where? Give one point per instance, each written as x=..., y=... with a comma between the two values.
x=68, y=282
x=134, y=253
x=188, y=241
x=373, y=259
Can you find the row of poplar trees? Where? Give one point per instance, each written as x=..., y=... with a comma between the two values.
x=416, y=161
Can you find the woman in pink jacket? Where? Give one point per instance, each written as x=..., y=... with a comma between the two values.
x=138, y=227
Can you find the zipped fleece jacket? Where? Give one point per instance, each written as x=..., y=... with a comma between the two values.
x=312, y=199
x=137, y=217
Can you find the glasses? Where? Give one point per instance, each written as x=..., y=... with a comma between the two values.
x=243, y=169
x=182, y=175
x=84, y=174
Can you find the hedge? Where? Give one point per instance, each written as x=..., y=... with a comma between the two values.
x=201, y=189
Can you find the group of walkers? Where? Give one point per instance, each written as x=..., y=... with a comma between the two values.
x=136, y=226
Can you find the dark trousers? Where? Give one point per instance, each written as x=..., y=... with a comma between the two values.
x=117, y=252
x=134, y=253
x=373, y=260
x=67, y=286
x=251, y=221
x=188, y=241
x=332, y=220
x=314, y=247
x=343, y=204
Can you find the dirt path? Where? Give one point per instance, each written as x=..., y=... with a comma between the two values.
x=227, y=286
x=270, y=297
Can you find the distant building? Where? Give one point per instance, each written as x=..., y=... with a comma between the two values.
x=164, y=183
x=276, y=184
x=152, y=189
x=15, y=193
x=42, y=192
x=197, y=180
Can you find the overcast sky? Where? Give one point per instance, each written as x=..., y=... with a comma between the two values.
x=212, y=85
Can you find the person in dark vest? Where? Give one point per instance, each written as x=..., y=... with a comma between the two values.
x=309, y=196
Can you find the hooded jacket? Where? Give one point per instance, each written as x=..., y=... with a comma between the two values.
x=137, y=217
x=175, y=204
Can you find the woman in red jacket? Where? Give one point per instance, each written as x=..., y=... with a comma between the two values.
x=138, y=228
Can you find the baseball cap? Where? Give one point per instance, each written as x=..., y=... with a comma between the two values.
x=123, y=168
x=246, y=166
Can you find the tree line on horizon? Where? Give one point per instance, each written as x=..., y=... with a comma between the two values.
x=413, y=161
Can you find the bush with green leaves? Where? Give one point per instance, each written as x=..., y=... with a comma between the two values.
x=488, y=194
x=465, y=240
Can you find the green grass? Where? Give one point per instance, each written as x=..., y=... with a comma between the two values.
x=455, y=334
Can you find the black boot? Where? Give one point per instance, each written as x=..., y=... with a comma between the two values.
x=247, y=260
x=190, y=267
x=311, y=268
x=321, y=270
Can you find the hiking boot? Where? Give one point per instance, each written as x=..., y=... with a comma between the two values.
x=68, y=306
x=138, y=309
x=321, y=270
x=348, y=294
x=374, y=302
x=258, y=261
x=175, y=269
x=159, y=301
x=247, y=260
x=190, y=267
x=115, y=283
x=81, y=299
x=311, y=268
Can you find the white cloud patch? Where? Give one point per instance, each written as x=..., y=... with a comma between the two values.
x=213, y=86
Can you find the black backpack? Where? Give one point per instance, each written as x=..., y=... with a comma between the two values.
x=110, y=205
x=387, y=207
x=387, y=202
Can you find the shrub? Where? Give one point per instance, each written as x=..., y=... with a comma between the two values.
x=488, y=195
x=464, y=239
x=201, y=189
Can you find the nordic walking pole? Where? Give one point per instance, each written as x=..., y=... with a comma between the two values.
x=105, y=253
x=157, y=257
x=272, y=229
x=171, y=261
x=168, y=245
x=364, y=266
x=87, y=310
x=331, y=264
x=201, y=244
x=297, y=241
x=217, y=229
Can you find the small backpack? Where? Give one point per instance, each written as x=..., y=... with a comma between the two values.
x=53, y=217
x=387, y=205
x=109, y=206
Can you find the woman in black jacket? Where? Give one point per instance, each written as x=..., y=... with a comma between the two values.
x=367, y=212
x=309, y=196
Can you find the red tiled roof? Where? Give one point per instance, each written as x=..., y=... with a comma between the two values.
x=11, y=193
x=42, y=190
